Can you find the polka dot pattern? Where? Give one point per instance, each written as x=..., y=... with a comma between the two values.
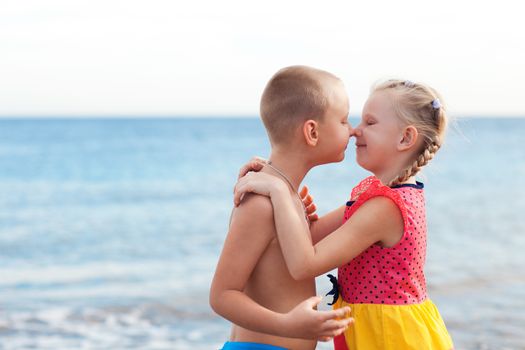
x=391, y=275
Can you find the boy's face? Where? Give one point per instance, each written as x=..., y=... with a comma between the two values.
x=335, y=130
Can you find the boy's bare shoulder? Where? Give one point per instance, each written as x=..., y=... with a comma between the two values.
x=254, y=210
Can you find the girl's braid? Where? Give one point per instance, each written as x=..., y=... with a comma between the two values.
x=424, y=157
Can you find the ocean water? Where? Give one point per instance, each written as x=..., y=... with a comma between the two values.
x=110, y=229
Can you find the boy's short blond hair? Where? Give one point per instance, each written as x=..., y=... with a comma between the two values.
x=293, y=95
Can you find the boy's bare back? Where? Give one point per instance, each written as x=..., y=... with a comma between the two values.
x=252, y=262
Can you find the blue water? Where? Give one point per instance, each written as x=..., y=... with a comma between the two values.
x=110, y=229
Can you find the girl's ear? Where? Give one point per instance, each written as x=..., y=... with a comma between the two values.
x=408, y=138
x=311, y=132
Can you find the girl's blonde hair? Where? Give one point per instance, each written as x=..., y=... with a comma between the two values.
x=421, y=106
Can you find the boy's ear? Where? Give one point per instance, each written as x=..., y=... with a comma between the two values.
x=311, y=132
x=408, y=138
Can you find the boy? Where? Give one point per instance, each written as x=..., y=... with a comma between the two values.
x=305, y=113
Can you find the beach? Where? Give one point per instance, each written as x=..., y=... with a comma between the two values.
x=110, y=229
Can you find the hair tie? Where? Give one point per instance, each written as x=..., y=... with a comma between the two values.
x=436, y=104
x=409, y=83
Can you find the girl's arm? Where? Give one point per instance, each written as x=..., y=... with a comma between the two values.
x=326, y=224
x=319, y=227
x=377, y=220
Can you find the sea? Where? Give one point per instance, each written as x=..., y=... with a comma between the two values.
x=110, y=229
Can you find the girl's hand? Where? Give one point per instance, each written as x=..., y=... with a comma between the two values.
x=305, y=322
x=255, y=164
x=308, y=202
x=260, y=183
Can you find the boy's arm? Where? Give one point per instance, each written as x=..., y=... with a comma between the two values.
x=247, y=239
x=249, y=235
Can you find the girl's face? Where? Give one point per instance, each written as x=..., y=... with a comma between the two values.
x=378, y=134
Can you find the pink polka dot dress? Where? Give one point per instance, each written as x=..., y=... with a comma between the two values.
x=386, y=286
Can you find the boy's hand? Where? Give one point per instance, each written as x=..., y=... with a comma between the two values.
x=305, y=322
x=308, y=202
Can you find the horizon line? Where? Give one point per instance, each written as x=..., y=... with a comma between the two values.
x=210, y=116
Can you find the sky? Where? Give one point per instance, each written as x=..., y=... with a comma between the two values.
x=213, y=58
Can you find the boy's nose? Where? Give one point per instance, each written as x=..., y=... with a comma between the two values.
x=356, y=132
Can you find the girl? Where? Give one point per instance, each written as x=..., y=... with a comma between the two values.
x=380, y=248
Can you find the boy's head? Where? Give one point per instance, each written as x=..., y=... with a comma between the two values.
x=294, y=95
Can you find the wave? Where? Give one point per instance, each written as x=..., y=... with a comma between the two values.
x=146, y=325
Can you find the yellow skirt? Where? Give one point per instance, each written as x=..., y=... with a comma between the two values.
x=389, y=327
